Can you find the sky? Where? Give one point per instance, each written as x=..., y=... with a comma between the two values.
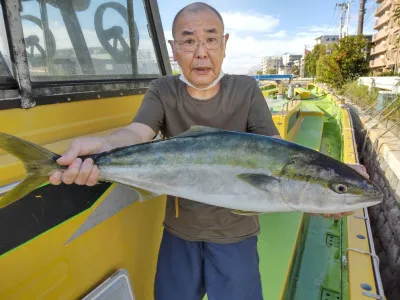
x=260, y=28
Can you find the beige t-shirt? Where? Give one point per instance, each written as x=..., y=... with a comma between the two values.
x=238, y=106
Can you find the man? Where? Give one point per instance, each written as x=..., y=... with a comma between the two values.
x=204, y=248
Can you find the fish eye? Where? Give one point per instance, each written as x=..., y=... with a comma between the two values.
x=340, y=188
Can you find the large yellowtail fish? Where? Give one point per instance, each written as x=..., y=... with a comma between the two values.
x=247, y=173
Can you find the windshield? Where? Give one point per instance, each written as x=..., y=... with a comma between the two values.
x=83, y=39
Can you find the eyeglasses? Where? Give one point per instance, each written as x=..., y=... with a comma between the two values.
x=190, y=44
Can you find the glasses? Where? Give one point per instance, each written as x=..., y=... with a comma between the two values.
x=190, y=44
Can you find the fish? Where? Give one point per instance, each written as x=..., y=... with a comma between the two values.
x=248, y=173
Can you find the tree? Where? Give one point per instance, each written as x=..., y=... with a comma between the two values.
x=328, y=71
x=311, y=59
x=343, y=62
x=296, y=70
x=271, y=71
x=352, y=57
x=259, y=72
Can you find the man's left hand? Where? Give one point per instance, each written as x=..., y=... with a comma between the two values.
x=360, y=169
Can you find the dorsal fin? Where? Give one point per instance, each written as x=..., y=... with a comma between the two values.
x=197, y=129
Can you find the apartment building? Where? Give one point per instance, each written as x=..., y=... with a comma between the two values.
x=385, y=54
x=271, y=62
x=327, y=39
x=290, y=59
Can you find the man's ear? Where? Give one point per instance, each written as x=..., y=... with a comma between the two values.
x=171, y=43
x=226, y=37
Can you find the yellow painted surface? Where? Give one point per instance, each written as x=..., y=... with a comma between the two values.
x=45, y=267
x=304, y=94
x=280, y=122
x=273, y=91
x=57, y=122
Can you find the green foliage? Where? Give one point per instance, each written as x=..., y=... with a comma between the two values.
x=271, y=71
x=388, y=73
x=396, y=14
x=259, y=72
x=296, y=70
x=328, y=70
x=359, y=93
x=337, y=64
x=351, y=57
x=311, y=59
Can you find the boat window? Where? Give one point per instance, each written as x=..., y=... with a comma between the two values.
x=6, y=72
x=88, y=40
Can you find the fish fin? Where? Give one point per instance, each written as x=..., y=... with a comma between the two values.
x=38, y=161
x=197, y=129
x=245, y=213
x=144, y=194
x=259, y=181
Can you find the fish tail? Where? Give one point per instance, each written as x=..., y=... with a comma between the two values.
x=38, y=161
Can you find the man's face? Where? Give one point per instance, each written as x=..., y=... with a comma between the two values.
x=200, y=66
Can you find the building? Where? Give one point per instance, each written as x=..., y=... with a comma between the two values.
x=327, y=39
x=271, y=62
x=302, y=63
x=385, y=54
x=289, y=59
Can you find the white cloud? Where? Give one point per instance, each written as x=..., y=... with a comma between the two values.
x=242, y=53
x=238, y=21
x=279, y=34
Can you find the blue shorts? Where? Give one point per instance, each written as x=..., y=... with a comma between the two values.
x=187, y=270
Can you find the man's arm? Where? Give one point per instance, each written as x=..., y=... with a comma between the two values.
x=144, y=127
x=260, y=119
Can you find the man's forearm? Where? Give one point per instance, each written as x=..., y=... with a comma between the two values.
x=130, y=135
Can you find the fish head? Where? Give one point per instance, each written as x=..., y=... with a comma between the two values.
x=320, y=184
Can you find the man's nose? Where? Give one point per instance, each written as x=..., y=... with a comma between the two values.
x=201, y=51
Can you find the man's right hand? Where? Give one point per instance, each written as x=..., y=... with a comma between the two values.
x=80, y=172
x=86, y=173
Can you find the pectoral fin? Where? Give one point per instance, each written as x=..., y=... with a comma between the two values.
x=144, y=194
x=259, y=181
x=196, y=130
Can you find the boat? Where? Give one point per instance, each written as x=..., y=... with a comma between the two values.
x=77, y=242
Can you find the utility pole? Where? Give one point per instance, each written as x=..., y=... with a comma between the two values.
x=343, y=7
x=361, y=14
x=348, y=17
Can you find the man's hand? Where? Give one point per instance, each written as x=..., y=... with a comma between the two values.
x=85, y=172
x=80, y=172
x=360, y=169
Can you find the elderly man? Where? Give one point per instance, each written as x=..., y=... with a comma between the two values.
x=204, y=248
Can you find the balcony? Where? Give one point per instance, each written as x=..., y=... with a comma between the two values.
x=377, y=62
x=382, y=8
x=380, y=48
x=380, y=35
x=384, y=19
